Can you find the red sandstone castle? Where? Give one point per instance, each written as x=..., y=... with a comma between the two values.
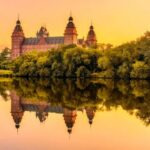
x=44, y=42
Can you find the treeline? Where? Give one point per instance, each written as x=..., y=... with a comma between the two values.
x=127, y=61
x=130, y=60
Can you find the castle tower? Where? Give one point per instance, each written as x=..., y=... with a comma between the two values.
x=91, y=37
x=17, y=40
x=70, y=35
x=16, y=109
x=90, y=112
x=69, y=117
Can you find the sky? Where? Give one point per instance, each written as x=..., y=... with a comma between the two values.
x=115, y=21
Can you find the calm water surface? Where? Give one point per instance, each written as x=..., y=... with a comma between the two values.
x=74, y=115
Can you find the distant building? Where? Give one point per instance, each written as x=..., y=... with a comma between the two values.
x=44, y=42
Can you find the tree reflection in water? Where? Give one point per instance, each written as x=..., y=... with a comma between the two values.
x=45, y=96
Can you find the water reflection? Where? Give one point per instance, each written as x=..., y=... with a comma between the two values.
x=67, y=97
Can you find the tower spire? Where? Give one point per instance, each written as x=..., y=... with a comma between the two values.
x=70, y=35
x=70, y=13
x=91, y=22
x=91, y=37
x=17, y=39
x=18, y=20
x=18, y=16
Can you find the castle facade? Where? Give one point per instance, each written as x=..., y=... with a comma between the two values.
x=44, y=42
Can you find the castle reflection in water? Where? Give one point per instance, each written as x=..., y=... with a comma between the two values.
x=42, y=108
x=67, y=97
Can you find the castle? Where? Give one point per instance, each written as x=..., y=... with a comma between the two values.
x=44, y=42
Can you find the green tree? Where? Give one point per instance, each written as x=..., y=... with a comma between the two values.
x=82, y=72
x=140, y=70
x=5, y=61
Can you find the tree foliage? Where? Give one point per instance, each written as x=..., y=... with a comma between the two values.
x=127, y=61
x=69, y=61
x=5, y=62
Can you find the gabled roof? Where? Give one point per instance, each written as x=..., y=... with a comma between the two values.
x=49, y=40
x=55, y=40
x=31, y=41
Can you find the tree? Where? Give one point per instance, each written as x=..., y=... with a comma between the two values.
x=104, y=63
x=123, y=71
x=82, y=72
x=140, y=70
x=5, y=62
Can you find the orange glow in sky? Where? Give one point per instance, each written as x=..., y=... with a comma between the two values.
x=115, y=21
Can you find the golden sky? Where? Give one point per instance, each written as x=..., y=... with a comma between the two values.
x=115, y=21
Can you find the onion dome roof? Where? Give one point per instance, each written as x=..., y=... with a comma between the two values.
x=70, y=18
x=18, y=22
x=18, y=27
x=70, y=23
x=91, y=31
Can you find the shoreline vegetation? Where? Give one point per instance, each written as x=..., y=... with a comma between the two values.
x=127, y=61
